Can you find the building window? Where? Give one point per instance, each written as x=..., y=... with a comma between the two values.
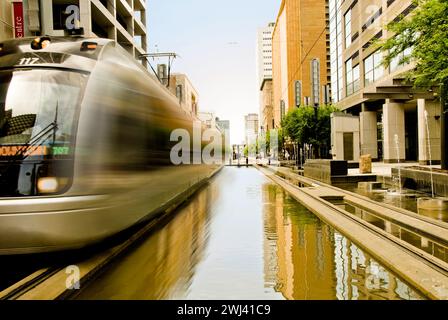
x=373, y=68
x=298, y=89
x=352, y=77
x=348, y=28
x=179, y=93
x=315, y=81
x=398, y=61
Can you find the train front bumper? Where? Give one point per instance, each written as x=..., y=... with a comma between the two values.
x=37, y=225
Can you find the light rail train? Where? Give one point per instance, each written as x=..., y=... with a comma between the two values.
x=84, y=144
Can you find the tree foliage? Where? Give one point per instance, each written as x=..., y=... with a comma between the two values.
x=426, y=32
x=302, y=127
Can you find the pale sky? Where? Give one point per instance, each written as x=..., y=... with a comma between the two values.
x=217, y=44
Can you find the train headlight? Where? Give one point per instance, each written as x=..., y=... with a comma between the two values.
x=40, y=43
x=48, y=185
x=88, y=46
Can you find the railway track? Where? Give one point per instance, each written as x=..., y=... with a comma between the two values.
x=20, y=288
x=423, y=271
x=51, y=283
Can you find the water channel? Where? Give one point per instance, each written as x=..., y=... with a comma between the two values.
x=243, y=237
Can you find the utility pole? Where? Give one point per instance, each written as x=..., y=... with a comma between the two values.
x=170, y=55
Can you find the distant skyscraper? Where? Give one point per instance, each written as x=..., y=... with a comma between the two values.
x=264, y=62
x=251, y=128
x=264, y=57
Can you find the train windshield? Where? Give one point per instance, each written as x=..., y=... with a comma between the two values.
x=38, y=110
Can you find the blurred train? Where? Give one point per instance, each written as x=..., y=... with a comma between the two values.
x=84, y=144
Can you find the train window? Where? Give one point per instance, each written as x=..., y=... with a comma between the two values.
x=39, y=108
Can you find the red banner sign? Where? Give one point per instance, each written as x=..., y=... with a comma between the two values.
x=18, y=20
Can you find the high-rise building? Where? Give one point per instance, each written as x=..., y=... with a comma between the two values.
x=336, y=48
x=264, y=49
x=301, y=56
x=121, y=20
x=264, y=61
x=391, y=115
x=251, y=126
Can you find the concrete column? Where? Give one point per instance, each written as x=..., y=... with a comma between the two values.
x=85, y=15
x=393, y=125
x=433, y=109
x=46, y=17
x=369, y=133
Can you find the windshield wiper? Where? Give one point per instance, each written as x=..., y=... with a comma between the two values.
x=22, y=151
x=52, y=127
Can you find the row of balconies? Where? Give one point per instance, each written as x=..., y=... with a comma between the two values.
x=130, y=17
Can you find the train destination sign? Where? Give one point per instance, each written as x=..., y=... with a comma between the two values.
x=10, y=151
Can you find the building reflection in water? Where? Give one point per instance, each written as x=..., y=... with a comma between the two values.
x=307, y=259
x=161, y=266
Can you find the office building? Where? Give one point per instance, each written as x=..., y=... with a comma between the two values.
x=182, y=87
x=383, y=116
x=300, y=59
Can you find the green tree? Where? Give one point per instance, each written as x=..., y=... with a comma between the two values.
x=426, y=32
x=323, y=132
x=302, y=126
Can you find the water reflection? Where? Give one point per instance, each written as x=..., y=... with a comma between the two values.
x=164, y=263
x=307, y=259
x=404, y=202
x=242, y=237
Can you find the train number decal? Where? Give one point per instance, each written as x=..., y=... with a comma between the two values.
x=28, y=61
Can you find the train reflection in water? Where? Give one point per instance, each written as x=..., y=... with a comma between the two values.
x=247, y=241
x=164, y=264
